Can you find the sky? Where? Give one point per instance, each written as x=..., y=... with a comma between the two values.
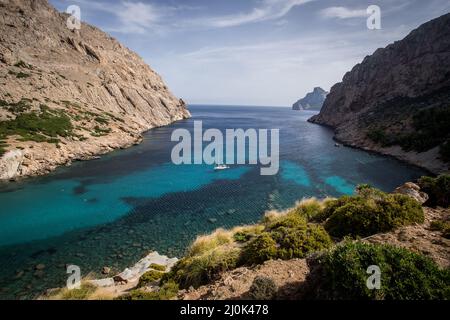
x=253, y=52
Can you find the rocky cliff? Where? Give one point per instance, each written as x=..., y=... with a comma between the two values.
x=397, y=101
x=312, y=101
x=67, y=95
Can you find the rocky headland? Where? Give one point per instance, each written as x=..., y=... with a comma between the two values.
x=312, y=101
x=396, y=101
x=70, y=95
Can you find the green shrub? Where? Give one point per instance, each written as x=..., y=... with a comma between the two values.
x=3, y=146
x=437, y=225
x=287, y=236
x=262, y=288
x=342, y=274
x=44, y=107
x=150, y=277
x=158, y=267
x=298, y=243
x=204, y=268
x=82, y=293
x=438, y=190
x=22, y=75
x=246, y=233
x=32, y=136
x=40, y=127
x=431, y=129
x=22, y=64
x=168, y=291
x=289, y=220
x=242, y=236
x=70, y=104
x=46, y=123
x=114, y=117
x=443, y=226
x=101, y=120
x=308, y=208
x=379, y=136
x=370, y=211
x=19, y=107
x=261, y=249
x=100, y=132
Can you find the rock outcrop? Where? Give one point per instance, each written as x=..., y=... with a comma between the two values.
x=10, y=164
x=47, y=70
x=132, y=274
x=412, y=190
x=390, y=98
x=236, y=284
x=312, y=101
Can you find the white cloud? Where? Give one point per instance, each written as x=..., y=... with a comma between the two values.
x=343, y=13
x=268, y=10
x=132, y=17
x=136, y=17
x=275, y=72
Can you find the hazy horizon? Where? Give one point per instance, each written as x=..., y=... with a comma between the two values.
x=253, y=53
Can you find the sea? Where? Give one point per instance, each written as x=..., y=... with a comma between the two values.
x=114, y=210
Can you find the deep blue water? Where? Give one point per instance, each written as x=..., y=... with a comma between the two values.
x=112, y=211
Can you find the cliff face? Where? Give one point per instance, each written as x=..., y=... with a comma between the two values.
x=98, y=94
x=312, y=101
x=397, y=97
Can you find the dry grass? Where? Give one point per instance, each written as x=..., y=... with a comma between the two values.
x=209, y=242
x=85, y=292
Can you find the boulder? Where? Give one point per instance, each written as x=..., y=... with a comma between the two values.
x=106, y=270
x=135, y=272
x=10, y=164
x=108, y=282
x=412, y=190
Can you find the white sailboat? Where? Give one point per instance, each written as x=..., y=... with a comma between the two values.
x=219, y=167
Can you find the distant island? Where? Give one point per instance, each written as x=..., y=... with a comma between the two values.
x=312, y=101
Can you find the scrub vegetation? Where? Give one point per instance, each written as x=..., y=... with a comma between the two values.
x=314, y=230
x=44, y=125
x=438, y=189
x=310, y=227
x=341, y=273
x=368, y=212
x=431, y=129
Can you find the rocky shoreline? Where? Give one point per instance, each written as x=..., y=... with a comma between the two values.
x=32, y=159
x=119, y=284
x=132, y=274
x=19, y=164
x=427, y=160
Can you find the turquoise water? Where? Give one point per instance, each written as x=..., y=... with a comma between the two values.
x=38, y=218
x=112, y=211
